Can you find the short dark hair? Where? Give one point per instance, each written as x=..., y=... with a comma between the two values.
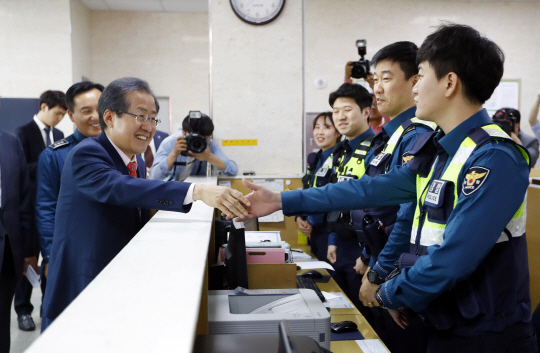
x=403, y=53
x=114, y=96
x=329, y=116
x=476, y=60
x=78, y=88
x=53, y=99
x=206, y=127
x=350, y=90
x=508, y=113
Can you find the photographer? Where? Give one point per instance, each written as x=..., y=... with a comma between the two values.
x=171, y=164
x=509, y=119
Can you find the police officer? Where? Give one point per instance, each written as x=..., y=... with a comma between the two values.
x=82, y=102
x=351, y=106
x=396, y=73
x=318, y=174
x=466, y=272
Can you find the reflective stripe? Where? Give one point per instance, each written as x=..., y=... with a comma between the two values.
x=462, y=154
x=395, y=136
x=430, y=236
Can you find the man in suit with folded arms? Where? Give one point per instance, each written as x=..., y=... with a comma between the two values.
x=15, y=220
x=35, y=136
x=104, y=199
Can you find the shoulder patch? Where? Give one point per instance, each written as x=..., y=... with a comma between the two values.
x=474, y=179
x=406, y=158
x=59, y=143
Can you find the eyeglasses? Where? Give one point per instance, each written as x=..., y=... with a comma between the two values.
x=141, y=119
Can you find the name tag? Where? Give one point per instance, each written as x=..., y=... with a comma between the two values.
x=344, y=178
x=434, y=196
x=375, y=162
x=322, y=172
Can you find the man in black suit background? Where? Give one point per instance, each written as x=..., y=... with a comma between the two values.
x=15, y=221
x=35, y=137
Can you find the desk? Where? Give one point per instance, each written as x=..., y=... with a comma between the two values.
x=152, y=296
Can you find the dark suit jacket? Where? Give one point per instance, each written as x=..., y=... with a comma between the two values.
x=159, y=136
x=33, y=145
x=100, y=209
x=15, y=214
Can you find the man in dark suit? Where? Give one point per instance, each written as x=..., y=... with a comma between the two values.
x=104, y=199
x=35, y=137
x=15, y=220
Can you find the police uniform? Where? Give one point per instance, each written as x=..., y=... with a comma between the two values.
x=466, y=271
x=390, y=148
x=349, y=160
x=318, y=174
x=50, y=165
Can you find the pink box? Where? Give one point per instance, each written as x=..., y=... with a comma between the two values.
x=261, y=255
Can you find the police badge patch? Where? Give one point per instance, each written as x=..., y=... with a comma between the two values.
x=406, y=158
x=474, y=179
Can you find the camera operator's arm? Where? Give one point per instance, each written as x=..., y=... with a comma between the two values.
x=348, y=72
x=168, y=152
x=533, y=117
x=215, y=156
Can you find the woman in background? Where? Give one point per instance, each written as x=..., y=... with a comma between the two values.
x=318, y=174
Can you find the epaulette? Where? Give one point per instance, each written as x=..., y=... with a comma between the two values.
x=59, y=143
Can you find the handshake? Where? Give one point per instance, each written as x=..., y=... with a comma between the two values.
x=232, y=203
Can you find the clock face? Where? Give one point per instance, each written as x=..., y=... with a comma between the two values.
x=257, y=12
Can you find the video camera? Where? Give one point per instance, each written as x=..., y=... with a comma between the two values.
x=506, y=119
x=360, y=68
x=196, y=143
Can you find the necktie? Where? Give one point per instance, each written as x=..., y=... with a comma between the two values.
x=47, y=136
x=132, y=167
x=148, y=157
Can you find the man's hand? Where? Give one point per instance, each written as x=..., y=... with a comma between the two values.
x=231, y=202
x=348, y=71
x=204, y=155
x=179, y=146
x=262, y=201
x=360, y=267
x=367, y=293
x=30, y=261
x=331, y=254
x=370, y=79
x=399, y=317
x=304, y=226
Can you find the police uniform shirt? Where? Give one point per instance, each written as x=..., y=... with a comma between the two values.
x=49, y=169
x=318, y=220
x=473, y=228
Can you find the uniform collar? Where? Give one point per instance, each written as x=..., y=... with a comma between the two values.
x=395, y=123
x=451, y=141
x=355, y=142
x=78, y=135
x=326, y=154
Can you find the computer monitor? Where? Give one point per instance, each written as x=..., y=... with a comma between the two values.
x=235, y=257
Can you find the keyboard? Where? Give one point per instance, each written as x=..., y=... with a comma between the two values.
x=309, y=283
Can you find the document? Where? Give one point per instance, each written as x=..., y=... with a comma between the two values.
x=273, y=185
x=372, y=346
x=310, y=265
x=336, y=300
x=263, y=236
x=33, y=277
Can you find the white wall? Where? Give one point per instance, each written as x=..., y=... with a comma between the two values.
x=257, y=88
x=169, y=50
x=333, y=27
x=35, y=44
x=80, y=41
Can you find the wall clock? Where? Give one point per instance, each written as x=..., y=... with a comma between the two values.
x=257, y=12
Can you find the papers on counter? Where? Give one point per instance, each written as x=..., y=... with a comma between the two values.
x=336, y=300
x=298, y=254
x=310, y=265
x=372, y=346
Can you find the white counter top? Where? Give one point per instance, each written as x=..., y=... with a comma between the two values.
x=147, y=299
